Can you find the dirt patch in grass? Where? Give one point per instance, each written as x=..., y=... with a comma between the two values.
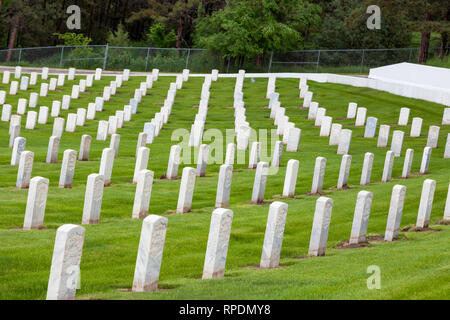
x=164, y=177
x=196, y=106
x=377, y=238
x=420, y=174
x=347, y=245
x=160, y=288
x=279, y=196
x=443, y=223
x=258, y=267
x=229, y=107
x=257, y=204
x=413, y=228
x=316, y=194
x=21, y=228
x=303, y=108
x=343, y=188
x=174, y=212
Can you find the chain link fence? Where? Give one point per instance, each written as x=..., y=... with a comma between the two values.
x=201, y=61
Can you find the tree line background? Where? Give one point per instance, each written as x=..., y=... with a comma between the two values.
x=237, y=29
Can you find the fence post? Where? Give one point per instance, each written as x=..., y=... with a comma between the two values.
x=106, y=56
x=62, y=55
x=20, y=56
x=362, y=61
x=410, y=54
x=146, y=59
x=187, y=58
x=318, y=61
x=228, y=65
x=270, y=62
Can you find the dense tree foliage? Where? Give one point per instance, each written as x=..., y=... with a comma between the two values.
x=232, y=28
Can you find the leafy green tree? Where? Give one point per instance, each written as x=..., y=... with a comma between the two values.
x=73, y=39
x=120, y=38
x=428, y=16
x=392, y=34
x=249, y=28
x=158, y=36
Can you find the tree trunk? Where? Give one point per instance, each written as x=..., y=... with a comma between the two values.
x=259, y=59
x=424, y=43
x=91, y=21
x=13, y=36
x=179, y=31
x=0, y=4
x=444, y=40
x=125, y=9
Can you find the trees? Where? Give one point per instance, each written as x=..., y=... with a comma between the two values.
x=428, y=16
x=159, y=37
x=119, y=38
x=249, y=28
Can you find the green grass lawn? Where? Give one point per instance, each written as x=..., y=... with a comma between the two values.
x=414, y=267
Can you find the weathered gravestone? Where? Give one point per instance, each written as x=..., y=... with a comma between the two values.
x=344, y=171
x=36, y=201
x=321, y=225
x=85, y=147
x=371, y=127
x=404, y=117
x=290, y=179
x=416, y=127
x=407, y=163
x=106, y=165
x=174, y=162
x=52, y=150
x=224, y=186
x=425, y=160
x=25, y=169
x=367, y=169
x=67, y=169
x=259, y=185
x=433, y=136
x=186, y=190
x=217, y=247
x=395, y=212
x=144, y=183
x=65, y=269
x=383, y=136
x=93, y=198
x=150, y=253
x=273, y=238
x=361, y=217
x=141, y=162
x=345, y=139
x=426, y=203
x=319, y=173
x=388, y=165
x=18, y=148
x=397, y=142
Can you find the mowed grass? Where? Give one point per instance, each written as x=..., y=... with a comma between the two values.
x=414, y=267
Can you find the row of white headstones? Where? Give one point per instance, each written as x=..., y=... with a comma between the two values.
x=342, y=137
x=69, y=239
x=69, y=161
x=94, y=202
